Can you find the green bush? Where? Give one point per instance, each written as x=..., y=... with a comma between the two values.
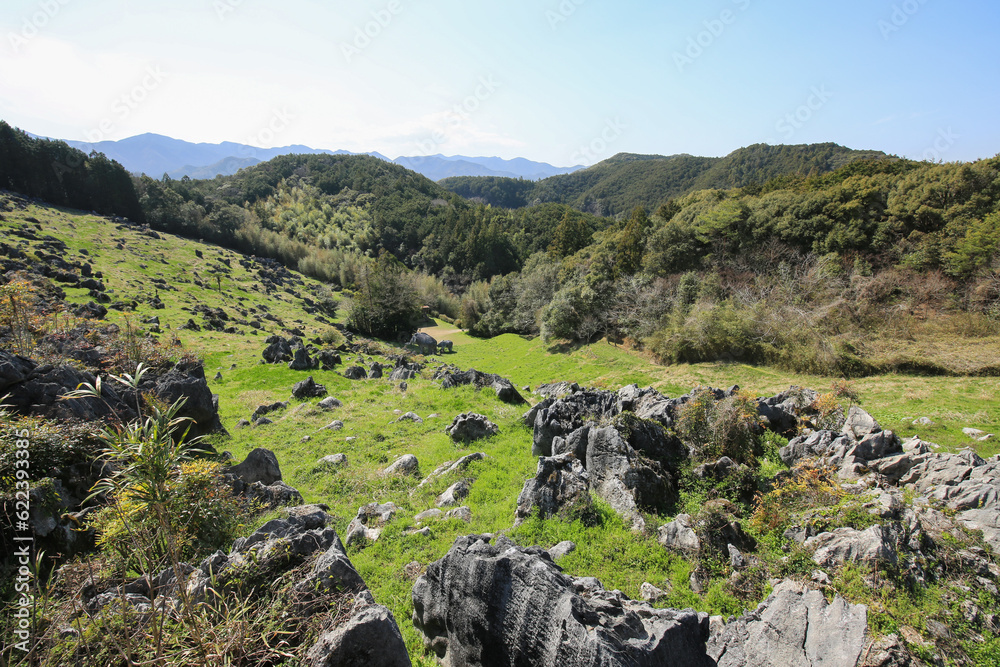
x=203, y=512
x=730, y=427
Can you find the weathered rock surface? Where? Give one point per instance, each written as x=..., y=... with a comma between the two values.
x=366, y=634
x=308, y=388
x=504, y=388
x=499, y=604
x=406, y=464
x=793, y=627
x=369, y=522
x=470, y=426
x=559, y=482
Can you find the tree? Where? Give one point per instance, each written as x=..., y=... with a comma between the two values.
x=385, y=303
x=571, y=235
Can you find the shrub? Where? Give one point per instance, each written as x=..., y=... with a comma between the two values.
x=204, y=516
x=802, y=488
x=729, y=427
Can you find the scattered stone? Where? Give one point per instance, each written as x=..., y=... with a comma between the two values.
x=355, y=373
x=268, y=409
x=329, y=403
x=308, y=389
x=679, y=535
x=651, y=593
x=218, y=376
x=332, y=461
x=470, y=426
x=923, y=421
x=404, y=465
x=449, y=466
x=262, y=421
x=427, y=515
x=564, y=548
x=411, y=417
x=462, y=513
x=335, y=425
x=260, y=465
x=369, y=522
x=455, y=493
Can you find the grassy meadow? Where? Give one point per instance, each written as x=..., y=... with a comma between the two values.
x=372, y=438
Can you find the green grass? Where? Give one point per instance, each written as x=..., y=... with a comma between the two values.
x=619, y=558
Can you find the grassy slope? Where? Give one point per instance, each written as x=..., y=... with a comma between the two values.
x=611, y=553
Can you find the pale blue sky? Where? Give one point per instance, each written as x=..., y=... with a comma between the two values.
x=563, y=81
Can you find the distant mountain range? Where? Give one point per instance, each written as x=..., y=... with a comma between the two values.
x=155, y=155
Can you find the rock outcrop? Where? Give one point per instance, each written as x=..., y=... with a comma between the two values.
x=793, y=626
x=499, y=604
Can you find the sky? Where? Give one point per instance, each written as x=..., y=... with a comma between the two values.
x=561, y=81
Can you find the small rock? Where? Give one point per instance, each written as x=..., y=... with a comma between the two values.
x=332, y=461
x=243, y=423
x=973, y=433
x=262, y=421
x=651, y=593
x=411, y=417
x=424, y=532
x=455, y=493
x=923, y=421
x=412, y=570
x=736, y=559
x=427, y=515
x=938, y=629
x=329, y=403
x=335, y=425
x=308, y=389
x=463, y=513
x=218, y=376
x=821, y=577
x=404, y=465
x=564, y=548
x=305, y=438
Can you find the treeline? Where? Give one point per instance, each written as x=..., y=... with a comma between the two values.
x=807, y=272
x=56, y=173
x=325, y=214
x=616, y=186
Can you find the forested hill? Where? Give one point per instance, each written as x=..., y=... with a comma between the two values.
x=619, y=184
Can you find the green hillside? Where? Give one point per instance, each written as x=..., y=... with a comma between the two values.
x=189, y=277
x=619, y=184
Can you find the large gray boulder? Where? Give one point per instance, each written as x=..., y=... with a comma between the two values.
x=277, y=351
x=504, y=388
x=369, y=636
x=847, y=545
x=679, y=535
x=260, y=465
x=793, y=627
x=559, y=482
x=859, y=424
x=499, y=604
x=470, y=426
